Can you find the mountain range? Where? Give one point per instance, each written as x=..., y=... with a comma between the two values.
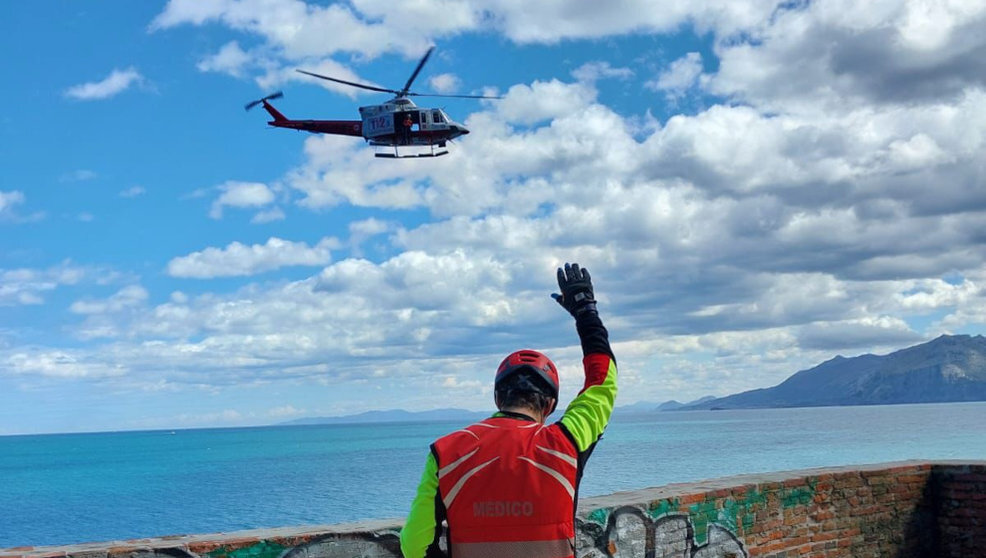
x=950, y=368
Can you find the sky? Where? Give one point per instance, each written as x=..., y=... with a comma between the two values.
x=755, y=186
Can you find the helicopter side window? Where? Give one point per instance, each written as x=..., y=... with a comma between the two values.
x=436, y=117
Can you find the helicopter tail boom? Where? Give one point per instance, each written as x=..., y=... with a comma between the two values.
x=334, y=127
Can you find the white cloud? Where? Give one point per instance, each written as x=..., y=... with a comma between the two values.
x=117, y=82
x=361, y=231
x=269, y=216
x=230, y=59
x=238, y=259
x=241, y=195
x=833, y=56
x=127, y=297
x=285, y=411
x=681, y=75
x=7, y=202
x=445, y=83
x=27, y=286
x=298, y=30
x=60, y=364
x=594, y=71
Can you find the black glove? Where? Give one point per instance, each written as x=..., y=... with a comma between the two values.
x=576, y=290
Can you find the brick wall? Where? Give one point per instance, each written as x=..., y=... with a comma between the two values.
x=909, y=509
x=959, y=494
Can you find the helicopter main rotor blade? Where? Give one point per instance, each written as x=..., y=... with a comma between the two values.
x=354, y=84
x=457, y=96
x=417, y=70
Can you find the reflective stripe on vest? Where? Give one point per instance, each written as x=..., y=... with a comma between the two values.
x=509, y=489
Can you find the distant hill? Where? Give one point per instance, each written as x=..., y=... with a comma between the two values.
x=396, y=415
x=463, y=415
x=643, y=407
x=950, y=368
x=674, y=405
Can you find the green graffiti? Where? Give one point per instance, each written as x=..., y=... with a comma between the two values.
x=600, y=516
x=801, y=496
x=728, y=514
x=701, y=514
x=263, y=549
x=754, y=497
x=731, y=513
x=663, y=507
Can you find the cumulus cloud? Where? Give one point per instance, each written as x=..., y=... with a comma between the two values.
x=117, y=82
x=241, y=195
x=836, y=55
x=238, y=259
x=8, y=202
x=594, y=71
x=445, y=83
x=681, y=75
x=128, y=297
x=26, y=286
x=60, y=364
x=231, y=59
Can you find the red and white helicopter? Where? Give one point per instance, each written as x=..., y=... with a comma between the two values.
x=396, y=123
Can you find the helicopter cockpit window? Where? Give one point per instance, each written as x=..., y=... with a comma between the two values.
x=436, y=116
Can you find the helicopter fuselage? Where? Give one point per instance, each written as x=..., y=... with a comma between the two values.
x=401, y=122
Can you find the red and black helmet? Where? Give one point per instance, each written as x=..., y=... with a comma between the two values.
x=534, y=361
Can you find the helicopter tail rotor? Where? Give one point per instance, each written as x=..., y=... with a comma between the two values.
x=252, y=104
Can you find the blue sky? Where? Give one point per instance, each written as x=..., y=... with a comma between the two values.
x=756, y=186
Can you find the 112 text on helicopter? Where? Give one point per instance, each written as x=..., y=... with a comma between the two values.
x=396, y=123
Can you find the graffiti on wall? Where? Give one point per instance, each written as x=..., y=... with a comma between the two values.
x=632, y=532
x=661, y=529
x=629, y=532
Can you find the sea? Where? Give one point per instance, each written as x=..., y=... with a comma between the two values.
x=69, y=488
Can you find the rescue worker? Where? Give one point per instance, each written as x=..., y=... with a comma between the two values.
x=408, y=123
x=507, y=486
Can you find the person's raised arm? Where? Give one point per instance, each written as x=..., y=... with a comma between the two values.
x=588, y=414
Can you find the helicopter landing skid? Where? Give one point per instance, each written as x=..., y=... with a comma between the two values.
x=387, y=155
x=397, y=155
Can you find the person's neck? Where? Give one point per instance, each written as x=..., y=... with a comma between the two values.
x=526, y=411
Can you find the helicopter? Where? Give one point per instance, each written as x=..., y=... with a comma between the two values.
x=395, y=123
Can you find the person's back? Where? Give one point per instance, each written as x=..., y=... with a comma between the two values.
x=508, y=486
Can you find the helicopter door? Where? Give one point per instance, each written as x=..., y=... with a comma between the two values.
x=377, y=121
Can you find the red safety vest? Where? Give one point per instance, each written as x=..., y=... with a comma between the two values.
x=509, y=489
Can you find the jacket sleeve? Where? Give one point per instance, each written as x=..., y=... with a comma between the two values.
x=421, y=526
x=588, y=414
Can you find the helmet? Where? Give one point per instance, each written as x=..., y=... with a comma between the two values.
x=529, y=360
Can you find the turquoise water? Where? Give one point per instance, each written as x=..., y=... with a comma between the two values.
x=59, y=489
